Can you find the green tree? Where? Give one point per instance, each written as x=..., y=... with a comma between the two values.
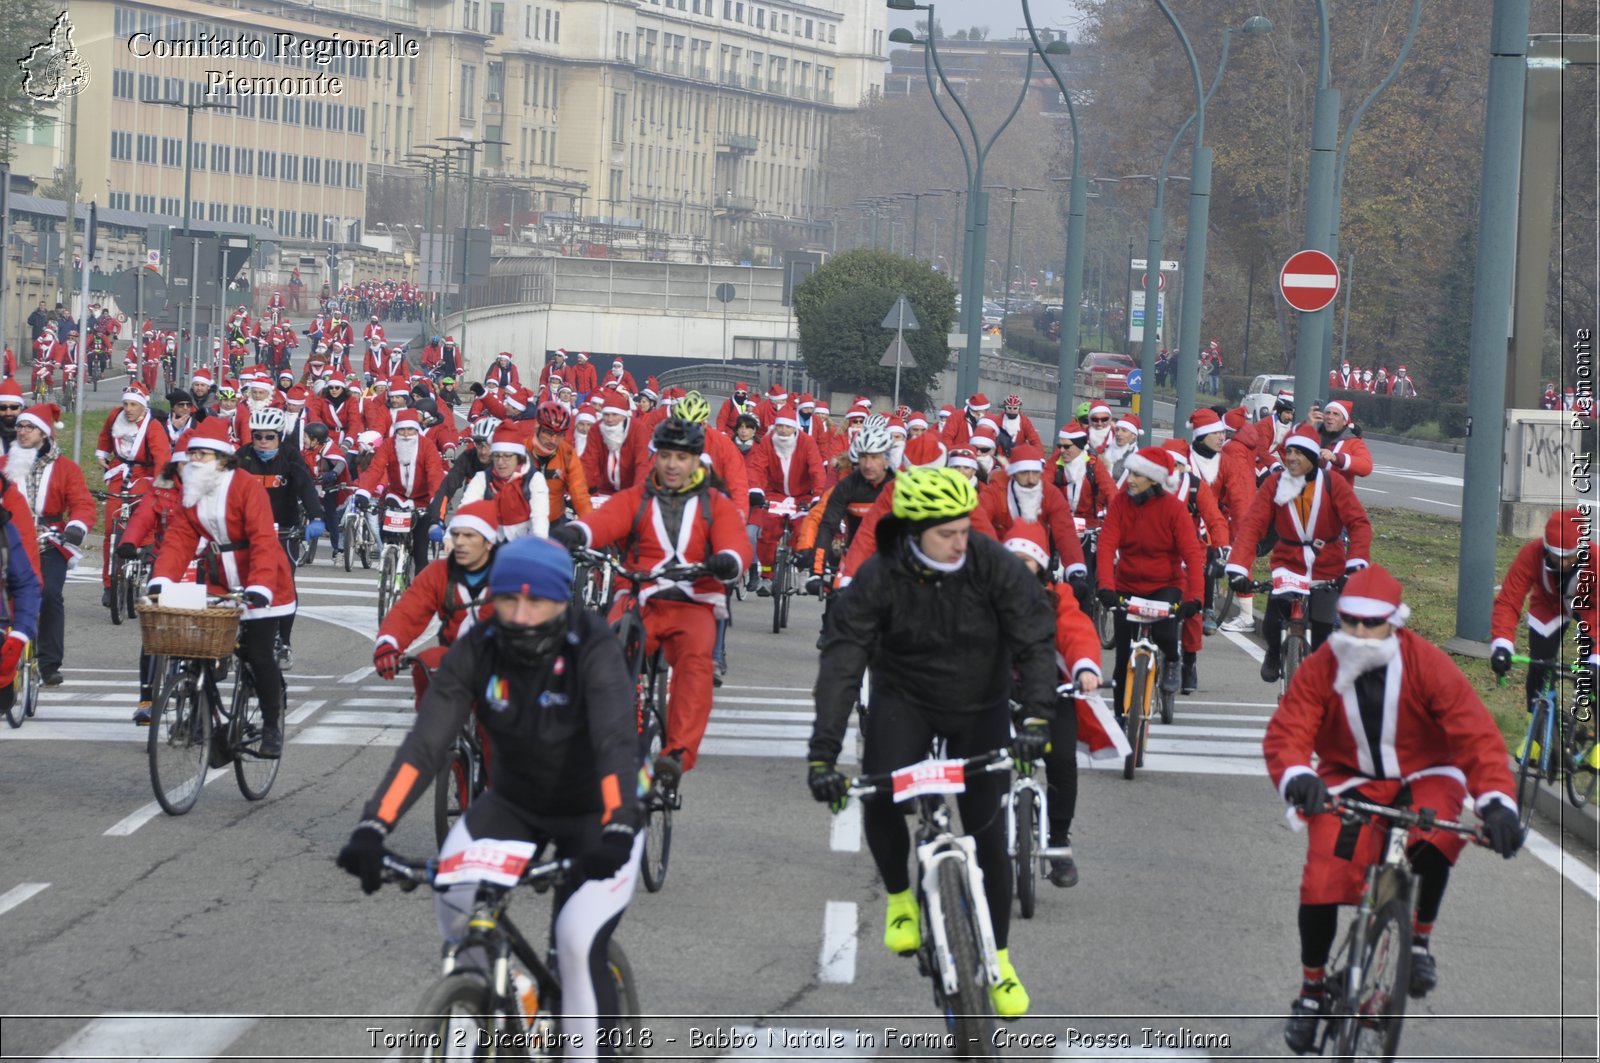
x=840, y=309
x=27, y=23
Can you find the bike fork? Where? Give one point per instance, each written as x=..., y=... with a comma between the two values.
x=930, y=855
x=1040, y=819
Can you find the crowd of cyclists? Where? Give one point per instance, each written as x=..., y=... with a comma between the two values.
x=960, y=560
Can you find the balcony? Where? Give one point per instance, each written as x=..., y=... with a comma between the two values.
x=737, y=143
x=673, y=66
x=800, y=92
x=775, y=85
x=731, y=77
x=731, y=204
x=703, y=73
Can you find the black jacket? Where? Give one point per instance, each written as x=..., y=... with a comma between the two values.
x=849, y=501
x=289, y=485
x=462, y=470
x=562, y=738
x=947, y=644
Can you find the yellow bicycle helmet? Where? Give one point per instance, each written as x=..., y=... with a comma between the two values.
x=693, y=408
x=933, y=494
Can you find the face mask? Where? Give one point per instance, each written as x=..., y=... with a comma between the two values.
x=531, y=645
x=986, y=463
x=266, y=455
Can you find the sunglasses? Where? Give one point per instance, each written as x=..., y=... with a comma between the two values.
x=10, y=409
x=1099, y=420
x=1363, y=621
x=265, y=437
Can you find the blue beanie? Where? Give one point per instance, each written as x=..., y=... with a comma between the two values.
x=536, y=567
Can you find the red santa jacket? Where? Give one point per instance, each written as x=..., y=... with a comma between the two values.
x=390, y=364
x=375, y=415
x=1209, y=523
x=14, y=504
x=1089, y=496
x=60, y=498
x=710, y=525
x=1351, y=458
x=133, y=450
x=801, y=476
x=582, y=377
x=344, y=421
x=1022, y=432
x=1000, y=505
x=418, y=482
x=728, y=415
x=1231, y=477
x=1433, y=724
x=1145, y=547
x=503, y=373
x=1308, y=528
x=1549, y=606
x=864, y=543
x=625, y=380
x=237, y=519
x=726, y=462
x=602, y=475
x=438, y=591
x=156, y=511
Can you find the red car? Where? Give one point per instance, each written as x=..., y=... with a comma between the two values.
x=1105, y=373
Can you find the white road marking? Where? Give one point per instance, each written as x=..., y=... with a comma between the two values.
x=128, y=824
x=1359, y=487
x=350, y=677
x=837, y=963
x=1256, y=653
x=1221, y=717
x=1158, y=745
x=1182, y=700
x=1171, y=730
x=303, y=713
x=844, y=836
x=18, y=894
x=768, y=690
x=1576, y=872
x=136, y=1038
x=807, y=702
x=375, y=703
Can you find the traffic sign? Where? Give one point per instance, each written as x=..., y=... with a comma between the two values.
x=901, y=316
x=1309, y=281
x=897, y=354
x=1161, y=282
x=1135, y=380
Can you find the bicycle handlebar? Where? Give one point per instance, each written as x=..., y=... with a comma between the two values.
x=1354, y=810
x=1560, y=668
x=994, y=760
x=675, y=573
x=408, y=874
x=1265, y=586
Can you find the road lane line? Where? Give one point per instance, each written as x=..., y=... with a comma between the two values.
x=153, y=1036
x=356, y=676
x=768, y=690
x=1173, y=730
x=805, y=702
x=1359, y=487
x=837, y=963
x=1576, y=872
x=1256, y=653
x=15, y=896
x=126, y=826
x=1183, y=700
x=304, y=712
x=844, y=836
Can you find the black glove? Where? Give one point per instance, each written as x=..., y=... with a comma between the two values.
x=363, y=503
x=1031, y=739
x=74, y=537
x=814, y=586
x=808, y=558
x=1502, y=828
x=1500, y=660
x=607, y=857
x=1188, y=608
x=362, y=855
x=724, y=566
x=256, y=600
x=153, y=591
x=568, y=535
x=1240, y=584
x=1081, y=590
x=1306, y=792
x=1107, y=596
x=125, y=550
x=758, y=499
x=828, y=784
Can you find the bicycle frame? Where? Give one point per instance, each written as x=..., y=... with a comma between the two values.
x=1023, y=780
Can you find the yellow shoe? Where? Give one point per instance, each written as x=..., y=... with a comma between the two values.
x=1010, y=1000
x=1592, y=758
x=902, y=929
x=1524, y=746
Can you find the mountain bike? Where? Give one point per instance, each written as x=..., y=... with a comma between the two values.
x=394, y=573
x=1297, y=591
x=1028, y=816
x=517, y=1000
x=357, y=537
x=651, y=680
x=786, y=580
x=1368, y=986
x=129, y=576
x=1105, y=620
x=464, y=776
x=190, y=730
x=1220, y=585
x=1143, y=681
x=958, y=952
x=1559, y=742
x=591, y=585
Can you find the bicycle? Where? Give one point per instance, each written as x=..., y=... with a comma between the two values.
x=517, y=1000
x=358, y=537
x=1366, y=1001
x=394, y=573
x=958, y=952
x=190, y=731
x=464, y=776
x=651, y=680
x=786, y=581
x=591, y=585
x=1221, y=586
x=1105, y=621
x=1297, y=590
x=129, y=576
x=1550, y=727
x=1145, y=664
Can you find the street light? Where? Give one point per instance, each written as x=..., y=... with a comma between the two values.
x=916, y=213
x=469, y=147
x=188, y=147
x=1309, y=380
x=1011, y=231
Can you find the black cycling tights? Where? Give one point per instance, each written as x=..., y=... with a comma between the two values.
x=1319, y=614
x=1164, y=633
x=1319, y=923
x=897, y=735
x=255, y=646
x=1061, y=771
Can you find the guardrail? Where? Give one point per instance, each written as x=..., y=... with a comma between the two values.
x=718, y=378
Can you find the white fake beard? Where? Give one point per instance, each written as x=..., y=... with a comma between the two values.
x=1012, y=425
x=406, y=449
x=580, y=440
x=614, y=434
x=1280, y=432
x=1289, y=488
x=124, y=430
x=20, y=462
x=616, y=373
x=785, y=445
x=200, y=480
x=1077, y=467
x=1029, y=500
x=1098, y=437
x=258, y=404
x=1358, y=656
x=897, y=453
x=986, y=463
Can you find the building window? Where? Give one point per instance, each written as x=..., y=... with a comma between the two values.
x=808, y=29
x=197, y=155
x=122, y=84
x=146, y=147
x=269, y=108
x=469, y=91
x=123, y=22
x=118, y=201
x=121, y=144
x=495, y=82
x=469, y=14
x=619, y=116
x=497, y=18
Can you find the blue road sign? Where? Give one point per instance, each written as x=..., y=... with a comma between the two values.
x=1135, y=378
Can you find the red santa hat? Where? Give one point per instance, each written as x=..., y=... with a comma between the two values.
x=1338, y=404
x=514, y=398
x=1026, y=458
x=787, y=417
x=381, y=384
x=962, y=458
x=616, y=402
x=1565, y=533
x=1402, y=369
x=1306, y=439
x=1374, y=593
x=482, y=516
x=978, y=402
x=777, y=394
x=407, y=418
x=1236, y=418
x=984, y=436
x=201, y=376
x=210, y=434
x=925, y=451
x=740, y=385
x=917, y=420
x=1129, y=422
x=11, y=391
x=651, y=389
x=1027, y=538
x=296, y=394
x=507, y=440
x=616, y=363
x=897, y=427
x=946, y=411
x=1179, y=451
x=855, y=413
x=1204, y=422
x=1073, y=432
x=1098, y=407
x=822, y=408
x=1156, y=464
x=46, y=417
x=135, y=392
x=586, y=415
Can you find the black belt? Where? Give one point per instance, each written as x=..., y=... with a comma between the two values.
x=227, y=548
x=1315, y=544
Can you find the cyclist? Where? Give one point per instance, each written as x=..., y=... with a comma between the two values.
x=132, y=447
x=22, y=593
x=470, y=461
x=290, y=488
x=1391, y=720
x=405, y=468
x=1019, y=494
x=851, y=498
x=786, y=464
x=330, y=469
x=340, y=410
x=454, y=590
x=1554, y=576
x=233, y=513
x=1232, y=485
x=1148, y=548
x=520, y=496
x=734, y=406
x=549, y=685
x=1015, y=427
x=1311, y=510
x=550, y=455
x=53, y=486
x=721, y=455
x=1212, y=531
x=1270, y=442
x=1342, y=448
x=676, y=516
x=608, y=468
x=944, y=619
x=958, y=430
x=146, y=529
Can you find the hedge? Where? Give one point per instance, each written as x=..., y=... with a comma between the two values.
x=1387, y=411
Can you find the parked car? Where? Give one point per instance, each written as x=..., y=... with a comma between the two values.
x=1104, y=373
x=1263, y=392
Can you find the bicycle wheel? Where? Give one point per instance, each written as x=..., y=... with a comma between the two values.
x=1221, y=597
x=348, y=536
x=386, y=578
x=968, y=1014
x=626, y=1044
x=254, y=773
x=456, y=1015
x=1376, y=1008
x=1583, y=778
x=451, y=791
x=369, y=547
x=179, y=744
x=1105, y=624
x=780, y=581
x=658, y=814
x=1027, y=860
x=133, y=583
x=1528, y=761
x=15, y=697
x=1135, y=722
x=1294, y=651
x=119, y=585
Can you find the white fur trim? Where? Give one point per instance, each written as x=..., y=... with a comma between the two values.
x=1085, y=665
x=1145, y=467
x=472, y=523
x=261, y=589
x=1505, y=644
x=963, y=462
x=1484, y=800
x=1028, y=548
x=1366, y=607
x=1289, y=774
x=221, y=446
x=390, y=639
x=136, y=396
x=508, y=448
x=1024, y=466
x=1208, y=429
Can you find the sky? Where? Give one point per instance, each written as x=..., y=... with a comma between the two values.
x=1003, y=17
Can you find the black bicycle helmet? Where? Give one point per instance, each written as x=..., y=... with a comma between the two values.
x=675, y=434
x=748, y=420
x=317, y=432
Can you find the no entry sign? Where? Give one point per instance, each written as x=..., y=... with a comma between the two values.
x=1309, y=281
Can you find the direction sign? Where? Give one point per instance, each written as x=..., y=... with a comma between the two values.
x=900, y=315
x=1135, y=380
x=1309, y=281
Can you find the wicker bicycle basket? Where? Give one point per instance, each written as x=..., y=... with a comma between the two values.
x=209, y=634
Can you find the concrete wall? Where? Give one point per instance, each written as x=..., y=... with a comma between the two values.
x=1548, y=465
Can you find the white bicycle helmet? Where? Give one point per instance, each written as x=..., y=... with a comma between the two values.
x=483, y=429
x=871, y=439
x=267, y=419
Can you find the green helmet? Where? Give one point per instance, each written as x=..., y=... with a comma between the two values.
x=693, y=408
x=933, y=494
x=1083, y=411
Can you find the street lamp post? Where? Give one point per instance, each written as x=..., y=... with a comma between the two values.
x=188, y=146
x=469, y=147
x=1152, y=285
x=1011, y=234
x=1309, y=379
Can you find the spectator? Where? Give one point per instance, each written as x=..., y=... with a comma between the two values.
x=39, y=319
x=1162, y=365
x=1216, y=368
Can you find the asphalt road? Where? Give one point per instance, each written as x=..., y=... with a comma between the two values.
x=231, y=925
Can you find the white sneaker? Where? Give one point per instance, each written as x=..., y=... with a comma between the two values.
x=1241, y=625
